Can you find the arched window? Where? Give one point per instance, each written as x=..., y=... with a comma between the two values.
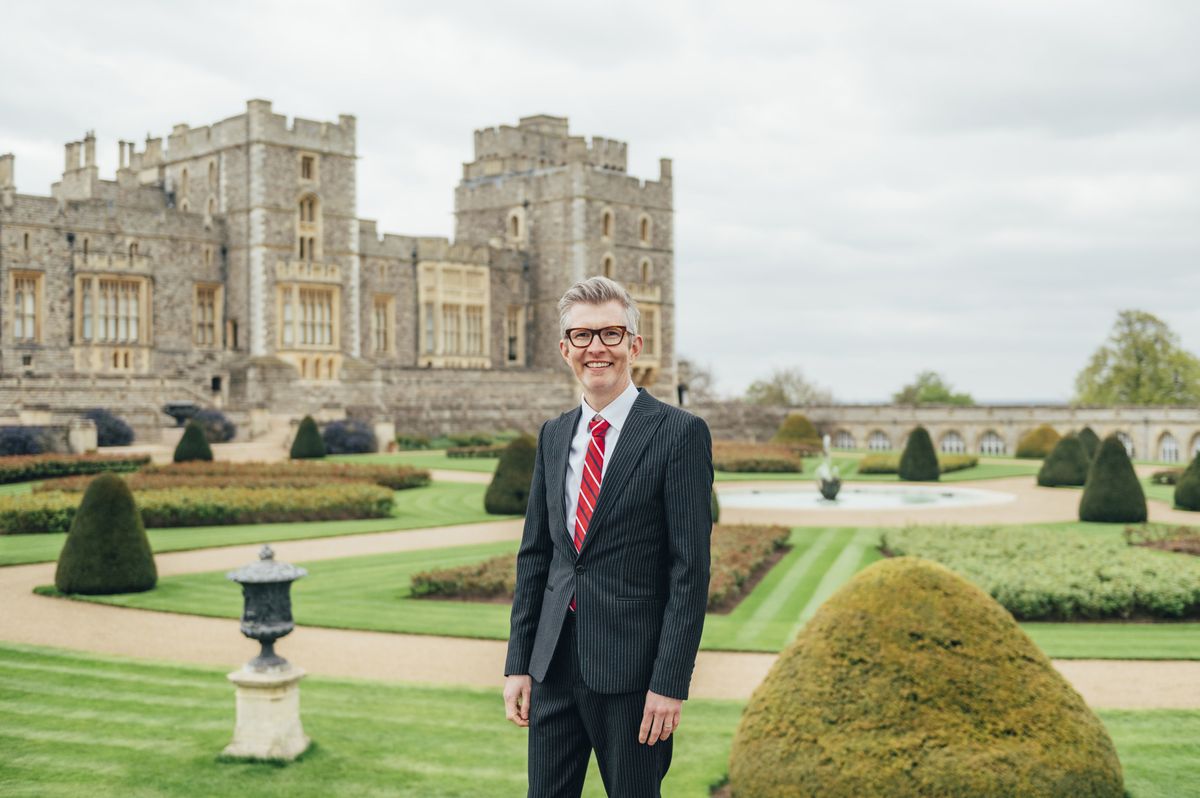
x=878, y=441
x=133, y=249
x=1168, y=448
x=514, y=226
x=953, y=443
x=25, y=244
x=1126, y=441
x=606, y=225
x=646, y=270
x=991, y=443
x=842, y=439
x=608, y=266
x=212, y=174
x=644, y=229
x=308, y=209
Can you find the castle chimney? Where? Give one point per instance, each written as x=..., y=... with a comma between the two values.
x=71, y=150
x=89, y=149
x=664, y=170
x=7, y=162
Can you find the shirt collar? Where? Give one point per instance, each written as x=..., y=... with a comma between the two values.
x=617, y=410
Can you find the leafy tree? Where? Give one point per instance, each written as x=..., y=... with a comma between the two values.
x=1038, y=442
x=787, y=387
x=796, y=428
x=1141, y=364
x=930, y=389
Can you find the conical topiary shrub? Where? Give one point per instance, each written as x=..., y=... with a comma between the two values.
x=307, y=444
x=1067, y=465
x=919, y=461
x=193, y=446
x=715, y=508
x=797, y=429
x=107, y=550
x=1187, y=489
x=1038, y=442
x=509, y=492
x=910, y=681
x=1090, y=441
x=1113, y=492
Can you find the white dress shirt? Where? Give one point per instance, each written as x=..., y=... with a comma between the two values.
x=615, y=414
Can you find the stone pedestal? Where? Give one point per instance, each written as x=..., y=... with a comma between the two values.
x=81, y=436
x=268, y=714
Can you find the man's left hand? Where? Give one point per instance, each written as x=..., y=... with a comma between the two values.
x=660, y=718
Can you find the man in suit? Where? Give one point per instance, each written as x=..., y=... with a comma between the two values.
x=612, y=573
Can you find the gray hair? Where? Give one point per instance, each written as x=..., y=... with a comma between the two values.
x=598, y=291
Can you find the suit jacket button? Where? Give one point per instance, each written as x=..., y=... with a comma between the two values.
x=579, y=569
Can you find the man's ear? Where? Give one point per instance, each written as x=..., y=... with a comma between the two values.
x=565, y=350
x=635, y=348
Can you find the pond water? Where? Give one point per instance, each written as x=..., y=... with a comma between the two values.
x=861, y=497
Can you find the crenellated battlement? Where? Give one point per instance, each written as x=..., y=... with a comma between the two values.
x=540, y=142
x=259, y=124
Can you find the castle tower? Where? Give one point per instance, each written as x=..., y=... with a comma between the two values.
x=568, y=204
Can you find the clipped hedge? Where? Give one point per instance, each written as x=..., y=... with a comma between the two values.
x=44, y=466
x=1067, y=464
x=1090, y=440
x=738, y=554
x=910, y=682
x=763, y=458
x=307, y=445
x=1038, y=442
x=54, y=512
x=111, y=429
x=469, y=452
x=193, y=445
x=107, y=550
x=919, y=461
x=761, y=465
x=396, y=477
x=889, y=463
x=412, y=442
x=1039, y=575
x=1168, y=476
x=797, y=430
x=16, y=441
x=1113, y=492
x=351, y=436
x=508, y=493
x=1187, y=490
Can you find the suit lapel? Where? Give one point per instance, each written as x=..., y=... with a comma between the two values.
x=556, y=469
x=640, y=425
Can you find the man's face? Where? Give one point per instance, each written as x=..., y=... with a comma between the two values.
x=604, y=371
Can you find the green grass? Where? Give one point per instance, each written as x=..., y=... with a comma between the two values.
x=372, y=592
x=17, y=488
x=74, y=724
x=438, y=504
x=420, y=459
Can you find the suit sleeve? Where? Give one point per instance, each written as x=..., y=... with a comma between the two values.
x=687, y=494
x=533, y=565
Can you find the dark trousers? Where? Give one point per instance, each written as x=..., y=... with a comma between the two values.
x=567, y=721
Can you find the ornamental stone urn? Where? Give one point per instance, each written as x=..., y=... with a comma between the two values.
x=268, y=686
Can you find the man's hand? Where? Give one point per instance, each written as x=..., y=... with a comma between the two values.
x=659, y=719
x=516, y=698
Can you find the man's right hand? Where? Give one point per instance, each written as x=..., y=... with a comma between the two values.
x=516, y=698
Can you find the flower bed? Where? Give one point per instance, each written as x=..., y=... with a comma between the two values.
x=761, y=458
x=396, y=477
x=738, y=553
x=890, y=463
x=53, y=512
x=1060, y=575
x=23, y=468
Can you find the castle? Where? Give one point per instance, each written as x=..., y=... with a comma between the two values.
x=228, y=267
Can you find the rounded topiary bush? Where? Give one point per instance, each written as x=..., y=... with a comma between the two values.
x=509, y=492
x=217, y=428
x=797, y=429
x=111, y=429
x=349, y=437
x=1067, y=464
x=22, y=440
x=307, y=445
x=1187, y=489
x=106, y=550
x=1113, y=492
x=193, y=445
x=1038, y=442
x=919, y=462
x=1090, y=440
x=910, y=681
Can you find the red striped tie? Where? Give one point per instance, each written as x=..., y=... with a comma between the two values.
x=589, y=488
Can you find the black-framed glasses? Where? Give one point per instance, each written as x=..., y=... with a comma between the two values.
x=581, y=337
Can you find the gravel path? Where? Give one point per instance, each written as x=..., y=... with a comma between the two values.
x=37, y=620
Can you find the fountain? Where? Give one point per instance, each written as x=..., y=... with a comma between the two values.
x=829, y=481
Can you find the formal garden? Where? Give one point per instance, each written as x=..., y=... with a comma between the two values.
x=946, y=629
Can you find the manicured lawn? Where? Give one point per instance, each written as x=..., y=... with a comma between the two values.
x=438, y=504
x=78, y=725
x=17, y=488
x=73, y=724
x=419, y=459
x=372, y=592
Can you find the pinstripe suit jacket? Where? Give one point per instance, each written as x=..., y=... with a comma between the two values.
x=641, y=578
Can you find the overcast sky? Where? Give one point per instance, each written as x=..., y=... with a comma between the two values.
x=862, y=190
